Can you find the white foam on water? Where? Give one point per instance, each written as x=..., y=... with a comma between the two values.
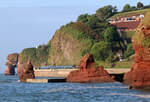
x=131, y=94
x=83, y=88
x=57, y=90
x=102, y=87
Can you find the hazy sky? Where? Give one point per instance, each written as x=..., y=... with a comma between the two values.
x=28, y=23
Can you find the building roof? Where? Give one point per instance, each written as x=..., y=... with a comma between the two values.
x=127, y=25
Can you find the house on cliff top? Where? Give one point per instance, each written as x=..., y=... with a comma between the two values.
x=127, y=23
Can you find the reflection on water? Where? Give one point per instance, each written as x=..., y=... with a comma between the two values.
x=13, y=91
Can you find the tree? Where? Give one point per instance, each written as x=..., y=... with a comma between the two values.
x=140, y=5
x=133, y=8
x=111, y=35
x=92, y=21
x=146, y=6
x=101, y=51
x=126, y=8
x=106, y=12
x=83, y=18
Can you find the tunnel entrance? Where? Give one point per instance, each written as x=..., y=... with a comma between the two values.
x=118, y=77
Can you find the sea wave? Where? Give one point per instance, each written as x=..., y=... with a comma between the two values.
x=131, y=94
x=83, y=88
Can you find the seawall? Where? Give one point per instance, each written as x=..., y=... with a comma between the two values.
x=65, y=72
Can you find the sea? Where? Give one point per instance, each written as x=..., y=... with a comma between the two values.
x=13, y=91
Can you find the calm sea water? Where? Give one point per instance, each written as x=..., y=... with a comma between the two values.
x=13, y=91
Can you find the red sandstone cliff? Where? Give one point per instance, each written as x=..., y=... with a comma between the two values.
x=88, y=72
x=139, y=76
x=12, y=60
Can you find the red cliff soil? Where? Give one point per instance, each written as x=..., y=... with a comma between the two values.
x=139, y=76
x=88, y=72
x=12, y=61
x=25, y=71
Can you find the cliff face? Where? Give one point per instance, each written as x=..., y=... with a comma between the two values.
x=12, y=60
x=67, y=45
x=139, y=77
x=65, y=49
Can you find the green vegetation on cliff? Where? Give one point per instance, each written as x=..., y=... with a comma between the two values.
x=69, y=43
x=142, y=32
x=89, y=34
x=38, y=56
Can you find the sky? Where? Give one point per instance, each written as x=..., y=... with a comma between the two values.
x=29, y=23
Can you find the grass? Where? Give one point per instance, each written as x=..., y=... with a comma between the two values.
x=120, y=64
x=124, y=64
x=105, y=64
x=129, y=13
x=129, y=33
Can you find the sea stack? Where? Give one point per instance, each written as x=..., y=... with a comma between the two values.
x=139, y=76
x=25, y=71
x=12, y=60
x=88, y=72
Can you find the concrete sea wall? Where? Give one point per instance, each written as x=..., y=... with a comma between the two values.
x=65, y=72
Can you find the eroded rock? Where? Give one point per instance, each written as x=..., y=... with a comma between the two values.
x=12, y=60
x=25, y=71
x=139, y=76
x=88, y=72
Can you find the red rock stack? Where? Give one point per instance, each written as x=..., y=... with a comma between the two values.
x=12, y=61
x=88, y=72
x=25, y=71
x=139, y=76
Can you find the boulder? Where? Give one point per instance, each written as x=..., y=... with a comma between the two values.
x=12, y=60
x=139, y=76
x=88, y=72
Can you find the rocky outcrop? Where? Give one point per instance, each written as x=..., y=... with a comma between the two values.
x=139, y=76
x=88, y=72
x=12, y=60
x=25, y=71
x=67, y=45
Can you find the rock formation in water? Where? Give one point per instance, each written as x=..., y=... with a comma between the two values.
x=12, y=60
x=88, y=72
x=25, y=71
x=139, y=76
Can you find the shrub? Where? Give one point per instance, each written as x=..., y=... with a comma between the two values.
x=106, y=12
x=146, y=42
x=129, y=51
x=101, y=50
x=111, y=34
x=42, y=54
x=28, y=54
x=126, y=8
x=83, y=18
x=37, y=56
x=92, y=21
